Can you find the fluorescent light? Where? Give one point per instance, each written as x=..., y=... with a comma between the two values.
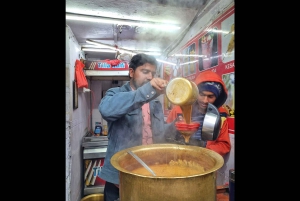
x=151, y=53
x=91, y=49
x=100, y=44
x=103, y=50
x=166, y=62
x=100, y=19
x=87, y=45
x=188, y=55
x=97, y=50
x=190, y=62
x=110, y=47
x=219, y=31
x=114, y=49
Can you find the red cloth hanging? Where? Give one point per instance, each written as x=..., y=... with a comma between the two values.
x=113, y=62
x=79, y=75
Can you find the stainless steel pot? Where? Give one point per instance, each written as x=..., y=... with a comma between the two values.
x=135, y=187
x=211, y=123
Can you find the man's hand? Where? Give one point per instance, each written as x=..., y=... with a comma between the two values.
x=159, y=84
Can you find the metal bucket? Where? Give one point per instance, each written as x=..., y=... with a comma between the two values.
x=200, y=187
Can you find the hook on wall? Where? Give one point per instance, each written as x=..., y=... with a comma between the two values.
x=120, y=29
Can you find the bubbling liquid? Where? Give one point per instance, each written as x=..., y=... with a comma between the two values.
x=172, y=169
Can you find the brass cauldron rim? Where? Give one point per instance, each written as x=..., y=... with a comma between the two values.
x=93, y=197
x=218, y=158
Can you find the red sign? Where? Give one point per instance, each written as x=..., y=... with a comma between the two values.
x=92, y=171
x=230, y=121
x=112, y=65
x=213, y=49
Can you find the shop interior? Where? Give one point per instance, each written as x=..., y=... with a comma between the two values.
x=102, y=37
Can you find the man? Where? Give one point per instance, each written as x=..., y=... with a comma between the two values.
x=134, y=116
x=211, y=90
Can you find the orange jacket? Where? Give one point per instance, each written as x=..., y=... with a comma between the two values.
x=222, y=144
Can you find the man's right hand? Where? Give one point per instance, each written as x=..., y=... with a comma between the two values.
x=159, y=84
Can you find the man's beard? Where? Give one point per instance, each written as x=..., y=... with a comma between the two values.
x=136, y=85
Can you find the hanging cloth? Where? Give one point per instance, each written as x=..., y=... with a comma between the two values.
x=79, y=74
x=113, y=62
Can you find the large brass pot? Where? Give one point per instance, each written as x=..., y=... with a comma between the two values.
x=93, y=197
x=200, y=187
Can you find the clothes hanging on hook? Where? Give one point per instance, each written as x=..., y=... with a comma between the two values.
x=113, y=62
x=82, y=60
x=79, y=74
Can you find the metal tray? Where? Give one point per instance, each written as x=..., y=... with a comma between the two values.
x=94, y=141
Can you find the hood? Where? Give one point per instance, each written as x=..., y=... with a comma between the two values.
x=213, y=77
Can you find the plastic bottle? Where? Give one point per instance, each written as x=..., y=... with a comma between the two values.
x=105, y=130
x=98, y=129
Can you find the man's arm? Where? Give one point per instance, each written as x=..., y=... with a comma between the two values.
x=116, y=104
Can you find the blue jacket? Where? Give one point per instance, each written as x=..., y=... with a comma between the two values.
x=121, y=107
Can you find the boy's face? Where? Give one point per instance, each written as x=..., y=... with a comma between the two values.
x=204, y=98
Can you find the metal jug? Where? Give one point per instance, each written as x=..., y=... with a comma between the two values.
x=183, y=92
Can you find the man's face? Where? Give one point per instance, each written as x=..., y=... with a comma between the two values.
x=142, y=74
x=204, y=98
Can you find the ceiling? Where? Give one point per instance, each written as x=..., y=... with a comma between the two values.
x=183, y=13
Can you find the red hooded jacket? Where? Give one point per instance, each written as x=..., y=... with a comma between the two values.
x=222, y=144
